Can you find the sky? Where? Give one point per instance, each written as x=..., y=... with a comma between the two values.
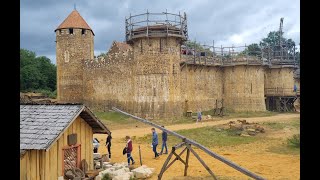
x=227, y=22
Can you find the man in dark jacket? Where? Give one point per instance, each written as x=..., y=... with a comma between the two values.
x=108, y=144
x=154, y=142
x=164, y=142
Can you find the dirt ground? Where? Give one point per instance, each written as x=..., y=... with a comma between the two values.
x=255, y=156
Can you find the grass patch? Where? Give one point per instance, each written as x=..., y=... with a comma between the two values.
x=113, y=117
x=244, y=114
x=294, y=141
x=284, y=148
x=294, y=123
x=275, y=125
x=117, y=120
x=207, y=136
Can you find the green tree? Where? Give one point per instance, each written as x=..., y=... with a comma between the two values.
x=252, y=50
x=198, y=47
x=273, y=40
x=36, y=73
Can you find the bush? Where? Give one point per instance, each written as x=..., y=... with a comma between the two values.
x=294, y=141
x=106, y=177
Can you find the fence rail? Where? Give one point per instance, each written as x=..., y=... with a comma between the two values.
x=156, y=24
x=280, y=92
x=196, y=144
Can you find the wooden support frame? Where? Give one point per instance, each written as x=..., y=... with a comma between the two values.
x=187, y=148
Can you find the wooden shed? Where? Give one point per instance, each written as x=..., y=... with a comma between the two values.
x=54, y=138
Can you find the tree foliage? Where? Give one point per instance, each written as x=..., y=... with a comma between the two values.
x=198, y=47
x=36, y=72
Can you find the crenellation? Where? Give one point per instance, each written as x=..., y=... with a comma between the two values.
x=151, y=78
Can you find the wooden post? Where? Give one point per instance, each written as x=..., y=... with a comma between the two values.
x=201, y=161
x=187, y=163
x=165, y=165
x=140, y=156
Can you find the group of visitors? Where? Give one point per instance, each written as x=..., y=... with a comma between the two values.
x=128, y=148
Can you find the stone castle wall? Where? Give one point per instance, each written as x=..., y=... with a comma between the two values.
x=70, y=50
x=109, y=80
x=145, y=78
x=243, y=88
x=200, y=87
x=157, y=77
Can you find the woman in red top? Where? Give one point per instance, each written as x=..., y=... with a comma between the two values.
x=129, y=150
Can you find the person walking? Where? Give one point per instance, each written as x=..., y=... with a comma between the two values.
x=108, y=145
x=129, y=150
x=164, y=142
x=199, y=114
x=154, y=142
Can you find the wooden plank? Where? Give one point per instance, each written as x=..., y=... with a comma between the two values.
x=175, y=158
x=82, y=139
x=164, y=166
x=42, y=164
x=37, y=165
x=47, y=164
x=33, y=164
x=28, y=165
x=59, y=156
x=187, y=163
x=23, y=167
x=89, y=150
x=179, y=158
x=53, y=162
x=201, y=161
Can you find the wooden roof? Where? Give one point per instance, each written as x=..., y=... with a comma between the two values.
x=74, y=20
x=42, y=124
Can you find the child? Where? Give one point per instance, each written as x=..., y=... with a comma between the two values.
x=129, y=150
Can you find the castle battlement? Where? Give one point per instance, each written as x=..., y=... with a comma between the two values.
x=153, y=74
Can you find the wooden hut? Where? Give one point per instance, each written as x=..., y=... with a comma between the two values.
x=55, y=138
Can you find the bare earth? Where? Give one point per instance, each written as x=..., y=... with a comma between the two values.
x=254, y=156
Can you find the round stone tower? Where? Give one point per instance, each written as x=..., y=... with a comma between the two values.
x=156, y=39
x=74, y=42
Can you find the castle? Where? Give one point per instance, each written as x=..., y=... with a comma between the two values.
x=149, y=76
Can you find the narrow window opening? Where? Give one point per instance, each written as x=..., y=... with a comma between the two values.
x=70, y=31
x=83, y=31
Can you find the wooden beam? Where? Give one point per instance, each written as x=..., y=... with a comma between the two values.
x=187, y=163
x=201, y=161
x=175, y=159
x=164, y=166
x=179, y=158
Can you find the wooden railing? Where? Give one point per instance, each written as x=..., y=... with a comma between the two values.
x=280, y=92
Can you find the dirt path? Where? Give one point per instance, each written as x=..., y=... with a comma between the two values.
x=255, y=157
x=138, y=132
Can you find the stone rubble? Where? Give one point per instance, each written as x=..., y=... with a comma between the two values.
x=120, y=171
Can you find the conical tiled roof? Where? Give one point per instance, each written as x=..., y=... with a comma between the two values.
x=74, y=20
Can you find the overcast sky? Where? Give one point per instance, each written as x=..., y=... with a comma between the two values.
x=227, y=22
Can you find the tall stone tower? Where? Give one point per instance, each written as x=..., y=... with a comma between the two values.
x=74, y=43
x=156, y=48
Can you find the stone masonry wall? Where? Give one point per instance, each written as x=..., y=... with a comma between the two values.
x=243, y=88
x=157, y=77
x=109, y=80
x=70, y=50
x=201, y=86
